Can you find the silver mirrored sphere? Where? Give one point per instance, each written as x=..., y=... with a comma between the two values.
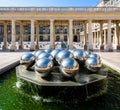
x=61, y=49
x=63, y=54
x=38, y=53
x=94, y=56
x=34, y=52
x=69, y=67
x=43, y=66
x=44, y=54
x=48, y=50
x=55, y=52
x=72, y=50
x=93, y=64
x=87, y=53
x=27, y=58
x=78, y=54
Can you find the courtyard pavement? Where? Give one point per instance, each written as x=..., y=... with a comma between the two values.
x=9, y=60
x=111, y=59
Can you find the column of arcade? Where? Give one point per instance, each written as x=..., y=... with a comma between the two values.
x=102, y=39
x=105, y=37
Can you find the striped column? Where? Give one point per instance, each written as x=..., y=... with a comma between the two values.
x=13, y=40
x=108, y=47
x=37, y=35
x=70, y=40
x=52, y=39
x=85, y=36
x=5, y=36
x=90, y=35
x=21, y=36
x=32, y=45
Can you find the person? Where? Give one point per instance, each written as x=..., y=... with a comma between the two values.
x=63, y=44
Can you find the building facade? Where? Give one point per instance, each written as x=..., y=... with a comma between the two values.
x=101, y=29
x=55, y=24
x=108, y=3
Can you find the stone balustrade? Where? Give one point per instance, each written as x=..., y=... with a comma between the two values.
x=59, y=9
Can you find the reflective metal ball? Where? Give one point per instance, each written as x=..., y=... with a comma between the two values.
x=38, y=53
x=44, y=54
x=87, y=53
x=94, y=56
x=72, y=50
x=93, y=64
x=78, y=54
x=55, y=52
x=27, y=58
x=48, y=50
x=43, y=66
x=63, y=54
x=61, y=48
x=69, y=67
x=34, y=52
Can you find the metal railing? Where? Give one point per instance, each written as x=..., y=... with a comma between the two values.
x=59, y=9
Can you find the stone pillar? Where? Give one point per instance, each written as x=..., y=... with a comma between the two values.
x=37, y=35
x=52, y=39
x=32, y=46
x=90, y=35
x=93, y=34
x=21, y=36
x=85, y=36
x=5, y=36
x=104, y=36
x=117, y=36
x=97, y=37
x=94, y=38
x=101, y=36
x=108, y=47
x=13, y=40
x=70, y=40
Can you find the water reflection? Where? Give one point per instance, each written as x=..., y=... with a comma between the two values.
x=13, y=98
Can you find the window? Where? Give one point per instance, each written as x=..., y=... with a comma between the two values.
x=9, y=29
x=57, y=31
x=65, y=31
x=29, y=29
x=41, y=30
x=1, y=29
x=57, y=38
x=17, y=29
x=73, y=31
x=48, y=38
x=48, y=31
x=41, y=38
x=65, y=38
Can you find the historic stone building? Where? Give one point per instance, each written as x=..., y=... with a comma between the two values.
x=101, y=28
x=107, y=3
x=93, y=27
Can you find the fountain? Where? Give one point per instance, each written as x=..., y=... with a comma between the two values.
x=64, y=70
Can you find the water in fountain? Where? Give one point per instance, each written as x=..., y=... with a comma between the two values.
x=13, y=98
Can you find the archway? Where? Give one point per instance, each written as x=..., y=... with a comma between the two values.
x=75, y=39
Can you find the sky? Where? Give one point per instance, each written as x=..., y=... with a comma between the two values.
x=48, y=3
